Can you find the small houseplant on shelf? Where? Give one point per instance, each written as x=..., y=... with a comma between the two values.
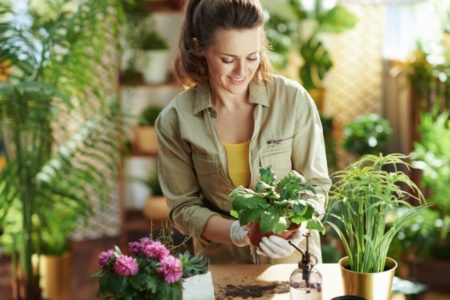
x=275, y=207
x=60, y=125
x=155, y=208
x=364, y=195
x=155, y=56
x=150, y=271
x=366, y=134
x=145, y=134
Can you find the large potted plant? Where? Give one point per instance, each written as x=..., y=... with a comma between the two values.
x=276, y=207
x=60, y=127
x=292, y=26
x=364, y=195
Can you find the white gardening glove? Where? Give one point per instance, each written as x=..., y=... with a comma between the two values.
x=238, y=234
x=277, y=247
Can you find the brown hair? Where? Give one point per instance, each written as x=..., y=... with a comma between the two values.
x=202, y=19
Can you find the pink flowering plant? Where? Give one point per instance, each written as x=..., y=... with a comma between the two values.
x=149, y=271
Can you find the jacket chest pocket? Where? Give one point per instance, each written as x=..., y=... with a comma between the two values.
x=209, y=176
x=277, y=154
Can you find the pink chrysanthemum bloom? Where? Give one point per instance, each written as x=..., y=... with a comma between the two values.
x=170, y=267
x=154, y=249
x=135, y=247
x=126, y=266
x=104, y=257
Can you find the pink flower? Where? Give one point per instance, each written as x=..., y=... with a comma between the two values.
x=134, y=247
x=126, y=266
x=154, y=249
x=104, y=257
x=170, y=267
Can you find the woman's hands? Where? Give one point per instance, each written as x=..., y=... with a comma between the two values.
x=277, y=247
x=238, y=234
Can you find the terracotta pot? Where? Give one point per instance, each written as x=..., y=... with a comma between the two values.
x=255, y=235
x=145, y=140
x=156, y=208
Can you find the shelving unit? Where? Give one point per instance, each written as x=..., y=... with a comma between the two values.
x=135, y=96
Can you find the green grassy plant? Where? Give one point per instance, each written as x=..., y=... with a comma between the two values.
x=364, y=196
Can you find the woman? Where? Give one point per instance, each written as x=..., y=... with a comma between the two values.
x=234, y=119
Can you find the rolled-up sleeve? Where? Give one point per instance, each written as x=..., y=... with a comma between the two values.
x=177, y=177
x=309, y=156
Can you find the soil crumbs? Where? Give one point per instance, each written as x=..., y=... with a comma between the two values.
x=231, y=291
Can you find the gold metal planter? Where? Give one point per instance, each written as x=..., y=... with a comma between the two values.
x=371, y=286
x=55, y=275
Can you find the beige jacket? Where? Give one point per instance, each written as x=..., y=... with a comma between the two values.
x=192, y=161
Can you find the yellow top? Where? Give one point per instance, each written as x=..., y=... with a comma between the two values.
x=238, y=167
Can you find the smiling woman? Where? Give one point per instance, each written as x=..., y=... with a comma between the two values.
x=235, y=118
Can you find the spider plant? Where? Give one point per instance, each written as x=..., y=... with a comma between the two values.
x=364, y=196
x=59, y=120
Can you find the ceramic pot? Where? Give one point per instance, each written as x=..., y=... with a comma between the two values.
x=255, y=235
x=370, y=286
x=154, y=65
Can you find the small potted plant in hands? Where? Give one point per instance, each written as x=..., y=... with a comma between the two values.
x=275, y=207
x=363, y=197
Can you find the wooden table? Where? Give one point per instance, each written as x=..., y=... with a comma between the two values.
x=264, y=274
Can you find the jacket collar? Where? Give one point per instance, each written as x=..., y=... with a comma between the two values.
x=258, y=95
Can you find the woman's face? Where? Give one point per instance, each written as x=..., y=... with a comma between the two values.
x=233, y=59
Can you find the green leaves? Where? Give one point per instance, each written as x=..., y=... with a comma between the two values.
x=361, y=200
x=337, y=20
x=267, y=175
x=304, y=26
x=272, y=221
x=193, y=265
x=276, y=206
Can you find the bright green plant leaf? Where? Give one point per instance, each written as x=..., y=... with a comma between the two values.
x=337, y=20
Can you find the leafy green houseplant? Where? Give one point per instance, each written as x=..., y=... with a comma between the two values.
x=293, y=25
x=432, y=158
x=148, y=116
x=364, y=195
x=149, y=272
x=428, y=234
x=275, y=207
x=153, y=41
x=153, y=53
x=366, y=134
x=60, y=152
